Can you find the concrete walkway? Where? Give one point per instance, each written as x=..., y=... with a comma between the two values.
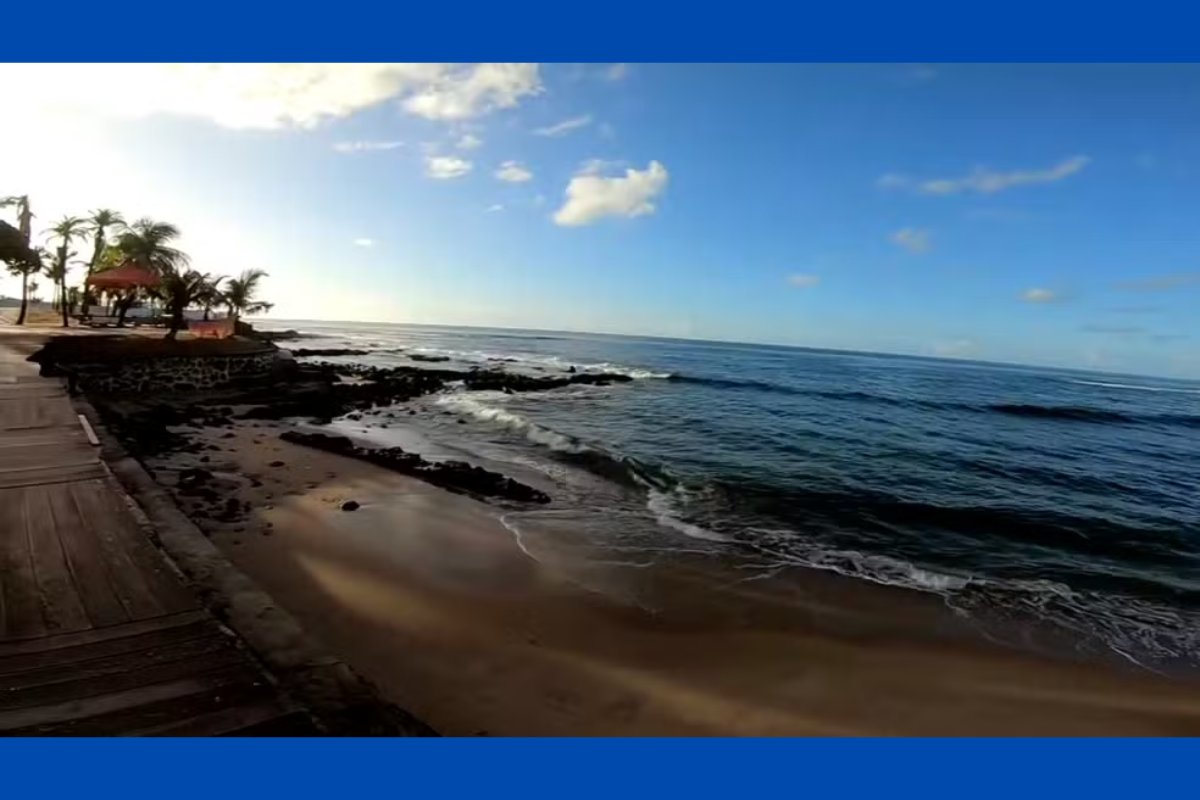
x=98, y=634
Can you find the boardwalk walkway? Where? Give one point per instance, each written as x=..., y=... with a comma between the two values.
x=98, y=634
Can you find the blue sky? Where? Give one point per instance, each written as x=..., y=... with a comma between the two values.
x=1040, y=214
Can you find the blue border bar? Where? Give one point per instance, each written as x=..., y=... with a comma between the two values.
x=565, y=769
x=620, y=30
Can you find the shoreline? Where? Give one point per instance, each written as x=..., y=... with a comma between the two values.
x=432, y=599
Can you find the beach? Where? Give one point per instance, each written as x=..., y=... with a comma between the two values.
x=477, y=625
x=433, y=601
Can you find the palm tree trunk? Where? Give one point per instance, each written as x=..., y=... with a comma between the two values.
x=123, y=306
x=176, y=322
x=62, y=290
x=24, y=298
x=97, y=251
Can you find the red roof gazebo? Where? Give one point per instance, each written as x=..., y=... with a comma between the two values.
x=127, y=276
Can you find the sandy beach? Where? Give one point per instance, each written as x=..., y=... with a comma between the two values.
x=432, y=599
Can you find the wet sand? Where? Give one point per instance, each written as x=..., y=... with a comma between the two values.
x=431, y=598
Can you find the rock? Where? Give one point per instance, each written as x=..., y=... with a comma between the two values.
x=229, y=435
x=231, y=508
x=275, y=464
x=195, y=476
x=302, y=353
x=571, y=369
x=204, y=459
x=430, y=359
x=453, y=475
x=350, y=505
x=462, y=421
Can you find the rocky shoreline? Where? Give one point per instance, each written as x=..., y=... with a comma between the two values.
x=317, y=392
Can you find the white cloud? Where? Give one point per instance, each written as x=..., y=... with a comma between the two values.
x=267, y=96
x=464, y=93
x=468, y=141
x=595, y=166
x=803, y=281
x=914, y=240
x=617, y=72
x=986, y=181
x=446, y=167
x=893, y=180
x=591, y=197
x=1040, y=296
x=513, y=172
x=564, y=127
x=365, y=146
x=364, y=242
x=494, y=208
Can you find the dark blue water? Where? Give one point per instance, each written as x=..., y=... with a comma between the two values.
x=1066, y=498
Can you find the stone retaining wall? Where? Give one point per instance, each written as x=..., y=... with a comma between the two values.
x=173, y=374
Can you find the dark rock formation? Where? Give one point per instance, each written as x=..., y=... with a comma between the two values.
x=453, y=475
x=431, y=359
x=333, y=351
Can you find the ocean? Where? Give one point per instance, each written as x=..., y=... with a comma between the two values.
x=1022, y=497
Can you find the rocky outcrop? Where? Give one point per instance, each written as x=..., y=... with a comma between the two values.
x=332, y=351
x=456, y=476
x=172, y=374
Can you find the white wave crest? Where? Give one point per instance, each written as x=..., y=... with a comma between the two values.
x=1138, y=387
x=538, y=434
x=666, y=513
x=523, y=359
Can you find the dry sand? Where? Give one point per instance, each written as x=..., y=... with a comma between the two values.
x=427, y=595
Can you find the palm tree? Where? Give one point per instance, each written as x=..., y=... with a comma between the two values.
x=211, y=294
x=99, y=223
x=64, y=232
x=20, y=257
x=24, y=214
x=147, y=243
x=240, y=291
x=179, y=290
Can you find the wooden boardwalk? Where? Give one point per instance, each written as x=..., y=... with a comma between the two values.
x=98, y=635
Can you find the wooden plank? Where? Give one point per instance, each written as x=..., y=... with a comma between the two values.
x=231, y=721
x=102, y=523
x=61, y=608
x=22, y=608
x=64, y=640
x=88, y=432
x=130, y=721
x=126, y=677
x=47, y=454
x=102, y=499
x=42, y=476
x=107, y=647
x=296, y=723
x=48, y=715
x=125, y=661
x=29, y=411
x=87, y=562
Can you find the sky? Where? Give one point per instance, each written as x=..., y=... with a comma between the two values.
x=1042, y=214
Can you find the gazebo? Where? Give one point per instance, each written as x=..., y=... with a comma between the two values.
x=127, y=276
